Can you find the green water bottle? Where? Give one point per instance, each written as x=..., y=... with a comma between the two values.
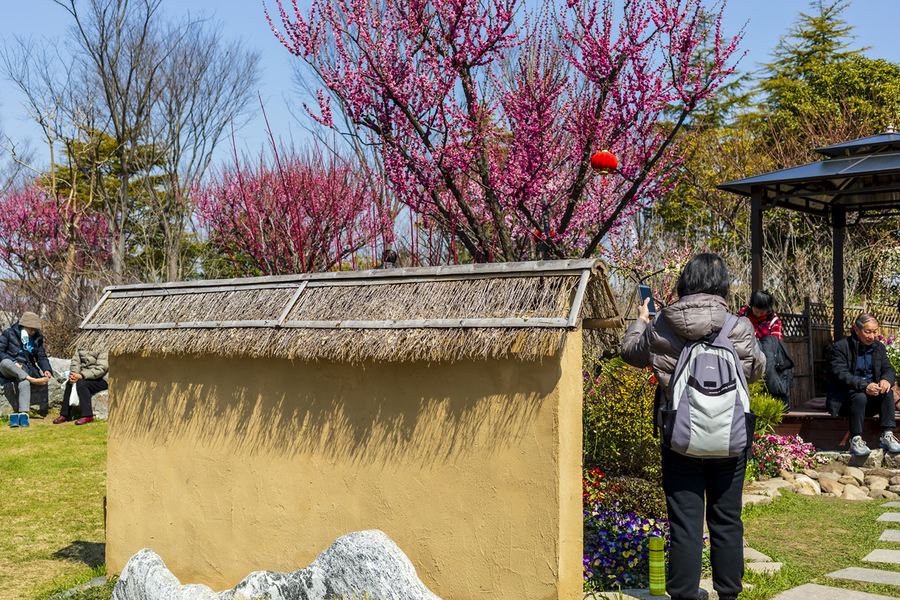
x=657, y=566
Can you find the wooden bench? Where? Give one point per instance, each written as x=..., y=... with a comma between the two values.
x=826, y=432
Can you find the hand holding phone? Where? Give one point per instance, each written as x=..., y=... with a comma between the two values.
x=644, y=291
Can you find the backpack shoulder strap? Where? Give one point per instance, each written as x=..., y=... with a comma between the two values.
x=730, y=322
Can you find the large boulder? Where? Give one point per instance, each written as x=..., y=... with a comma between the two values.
x=870, y=461
x=364, y=564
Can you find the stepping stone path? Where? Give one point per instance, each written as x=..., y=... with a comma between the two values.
x=812, y=591
x=889, y=518
x=859, y=573
x=883, y=556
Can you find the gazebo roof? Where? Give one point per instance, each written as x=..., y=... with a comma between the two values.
x=861, y=176
x=858, y=176
x=889, y=141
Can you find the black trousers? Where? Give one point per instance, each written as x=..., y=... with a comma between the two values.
x=685, y=481
x=85, y=388
x=859, y=405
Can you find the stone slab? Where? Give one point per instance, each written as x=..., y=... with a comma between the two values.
x=809, y=591
x=764, y=567
x=94, y=582
x=639, y=594
x=883, y=556
x=890, y=535
x=891, y=505
x=867, y=576
x=755, y=499
x=755, y=555
x=889, y=518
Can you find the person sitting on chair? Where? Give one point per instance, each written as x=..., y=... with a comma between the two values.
x=860, y=384
x=24, y=361
x=88, y=372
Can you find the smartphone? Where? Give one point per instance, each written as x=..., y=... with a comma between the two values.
x=644, y=291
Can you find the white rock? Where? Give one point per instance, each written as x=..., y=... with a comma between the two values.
x=803, y=484
x=364, y=560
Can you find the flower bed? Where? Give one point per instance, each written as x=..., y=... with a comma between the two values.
x=617, y=555
x=771, y=453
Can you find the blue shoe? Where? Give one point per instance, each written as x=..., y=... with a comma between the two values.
x=889, y=442
x=858, y=447
x=23, y=420
x=14, y=420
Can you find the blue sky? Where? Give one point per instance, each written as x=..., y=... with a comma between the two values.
x=875, y=24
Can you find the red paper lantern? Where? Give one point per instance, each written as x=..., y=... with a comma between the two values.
x=604, y=162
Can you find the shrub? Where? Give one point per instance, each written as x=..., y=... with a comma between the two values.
x=59, y=338
x=768, y=409
x=617, y=419
x=618, y=555
x=645, y=499
x=593, y=487
x=770, y=453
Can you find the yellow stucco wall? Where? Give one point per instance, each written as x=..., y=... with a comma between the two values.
x=229, y=466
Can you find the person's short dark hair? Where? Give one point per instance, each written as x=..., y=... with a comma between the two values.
x=705, y=273
x=862, y=319
x=762, y=299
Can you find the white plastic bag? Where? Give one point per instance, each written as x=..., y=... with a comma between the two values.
x=73, y=397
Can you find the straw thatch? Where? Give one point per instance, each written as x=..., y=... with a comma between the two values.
x=519, y=310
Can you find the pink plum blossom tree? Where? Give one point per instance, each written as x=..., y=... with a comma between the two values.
x=485, y=128
x=50, y=252
x=303, y=213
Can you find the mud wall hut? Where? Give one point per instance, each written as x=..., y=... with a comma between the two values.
x=254, y=421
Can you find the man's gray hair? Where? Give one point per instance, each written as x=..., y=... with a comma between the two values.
x=864, y=318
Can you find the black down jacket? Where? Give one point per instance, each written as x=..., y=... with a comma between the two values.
x=35, y=363
x=779, y=373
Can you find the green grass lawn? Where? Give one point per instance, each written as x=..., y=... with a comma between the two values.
x=53, y=479
x=814, y=536
x=52, y=483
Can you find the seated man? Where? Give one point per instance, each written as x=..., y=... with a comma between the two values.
x=88, y=372
x=861, y=380
x=23, y=360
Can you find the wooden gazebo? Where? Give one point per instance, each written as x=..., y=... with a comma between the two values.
x=857, y=179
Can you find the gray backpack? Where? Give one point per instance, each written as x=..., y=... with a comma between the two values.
x=709, y=414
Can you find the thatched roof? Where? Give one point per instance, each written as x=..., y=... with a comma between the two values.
x=520, y=310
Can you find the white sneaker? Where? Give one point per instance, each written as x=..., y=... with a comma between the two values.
x=858, y=446
x=889, y=442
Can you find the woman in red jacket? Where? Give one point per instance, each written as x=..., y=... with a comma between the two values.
x=761, y=313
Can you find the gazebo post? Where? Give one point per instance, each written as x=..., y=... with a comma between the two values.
x=838, y=224
x=756, y=235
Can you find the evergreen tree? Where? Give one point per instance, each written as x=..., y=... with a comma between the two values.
x=815, y=72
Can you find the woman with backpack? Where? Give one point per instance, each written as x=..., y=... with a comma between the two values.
x=698, y=318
